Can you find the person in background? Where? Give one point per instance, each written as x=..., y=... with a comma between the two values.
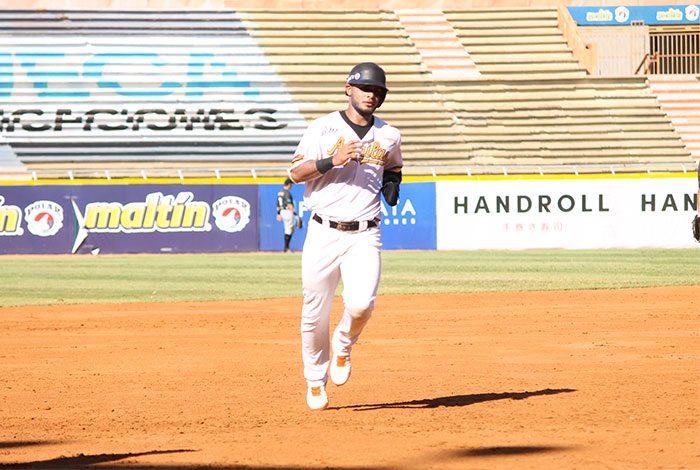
x=286, y=213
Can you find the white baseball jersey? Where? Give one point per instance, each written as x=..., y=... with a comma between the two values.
x=349, y=192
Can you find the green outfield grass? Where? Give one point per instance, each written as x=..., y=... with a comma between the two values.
x=43, y=280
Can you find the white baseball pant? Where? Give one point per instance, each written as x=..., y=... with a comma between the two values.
x=288, y=221
x=330, y=255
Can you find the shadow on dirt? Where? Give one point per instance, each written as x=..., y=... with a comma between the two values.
x=11, y=444
x=82, y=461
x=507, y=450
x=110, y=461
x=102, y=462
x=456, y=400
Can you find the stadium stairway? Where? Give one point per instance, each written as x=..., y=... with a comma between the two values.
x=439, y=47
x=679, y=97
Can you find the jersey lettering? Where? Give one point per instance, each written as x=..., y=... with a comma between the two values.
x=373, y=153
x=376, y=152
x=336, y=147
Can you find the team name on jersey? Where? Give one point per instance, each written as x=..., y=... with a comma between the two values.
x=372, y=152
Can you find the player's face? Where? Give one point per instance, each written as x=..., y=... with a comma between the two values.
x=364, y=98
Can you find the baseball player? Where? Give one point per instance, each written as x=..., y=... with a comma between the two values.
x=346, y=158
x=285, y=212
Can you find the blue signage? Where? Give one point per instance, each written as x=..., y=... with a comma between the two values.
x=101, y=71
x=411, y=224
x=625, y=15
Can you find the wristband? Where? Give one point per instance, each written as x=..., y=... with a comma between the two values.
x=324, y=165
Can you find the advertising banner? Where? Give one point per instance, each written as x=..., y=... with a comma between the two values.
x=566, y=213
x=35, y=220
x=410, y=225
x=116, y=218
x=624, y=15
x=163, y=96
x=571, y=213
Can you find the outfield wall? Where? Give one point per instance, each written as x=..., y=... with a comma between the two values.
x=527, y=212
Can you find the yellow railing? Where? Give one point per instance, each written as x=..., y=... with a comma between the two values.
x=584, y=53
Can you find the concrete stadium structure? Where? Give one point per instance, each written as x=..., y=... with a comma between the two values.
x=223, y=86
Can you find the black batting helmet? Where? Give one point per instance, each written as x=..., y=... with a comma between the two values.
x=368, y=73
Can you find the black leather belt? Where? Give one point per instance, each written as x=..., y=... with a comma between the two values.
x=345, y=226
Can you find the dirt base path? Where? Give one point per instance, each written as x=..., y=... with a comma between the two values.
x=584, y=379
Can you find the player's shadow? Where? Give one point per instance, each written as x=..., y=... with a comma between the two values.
x=84, y=461
x=506, y=450
x=455, y=400
x=112, y=462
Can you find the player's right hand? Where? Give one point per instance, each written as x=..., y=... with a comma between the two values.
x=350, y=151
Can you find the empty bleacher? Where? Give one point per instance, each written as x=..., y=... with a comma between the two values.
x=520, y=43
x=235, y=89
x=535, y=105
x=585, y=121
x=314, y=62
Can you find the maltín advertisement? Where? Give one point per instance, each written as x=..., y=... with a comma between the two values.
x=128, y=218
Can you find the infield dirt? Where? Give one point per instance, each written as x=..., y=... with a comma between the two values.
x=535, y=380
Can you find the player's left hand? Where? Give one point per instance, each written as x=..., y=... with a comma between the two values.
x=696, y=227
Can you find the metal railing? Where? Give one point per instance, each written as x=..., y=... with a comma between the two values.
x=576, y=169
x=155, y=173
x=676, y=52
x=435, y=171
x=647, y=62
x=635, y=49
